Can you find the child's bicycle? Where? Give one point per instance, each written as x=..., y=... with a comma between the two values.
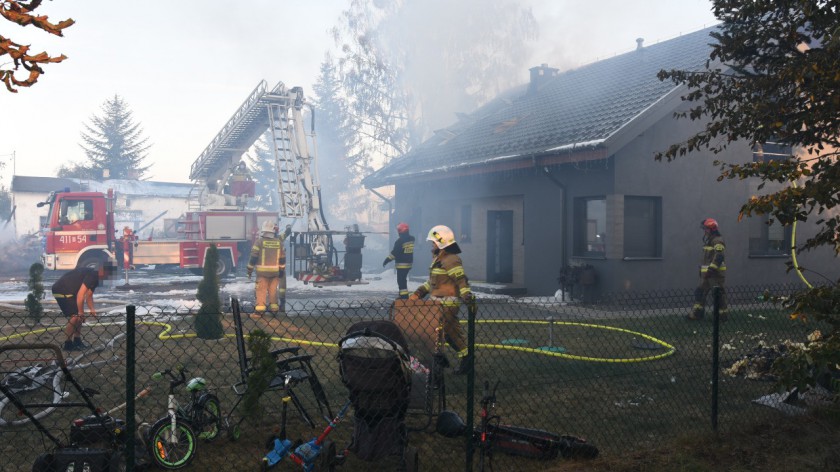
x=491, y=436
x=171, y=440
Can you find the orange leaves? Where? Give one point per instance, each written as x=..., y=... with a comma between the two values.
x=14, y=11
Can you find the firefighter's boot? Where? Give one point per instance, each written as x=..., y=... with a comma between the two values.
x=696, y=313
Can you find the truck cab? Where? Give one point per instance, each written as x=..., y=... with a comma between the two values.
x=78, y=231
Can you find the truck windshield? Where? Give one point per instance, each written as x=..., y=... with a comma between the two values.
x=71, y=211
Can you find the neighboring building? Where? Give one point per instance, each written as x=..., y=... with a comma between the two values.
x=565, y=164
x=138, y=203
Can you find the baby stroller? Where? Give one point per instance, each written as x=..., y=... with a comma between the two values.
x=374, y=366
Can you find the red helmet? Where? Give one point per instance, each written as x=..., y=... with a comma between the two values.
x=709, y=224
x=402, y=228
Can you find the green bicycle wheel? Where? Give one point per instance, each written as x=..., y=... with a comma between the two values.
x=171, y=451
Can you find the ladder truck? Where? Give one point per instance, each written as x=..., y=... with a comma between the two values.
x=216, y=204
x=315, y=257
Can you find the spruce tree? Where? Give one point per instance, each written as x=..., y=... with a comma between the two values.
x=34, y=309
x=113, y=141
x=208, y=321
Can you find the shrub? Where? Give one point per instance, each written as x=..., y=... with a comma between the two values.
x=34, y=309
x=208, y=321
x=263, y=371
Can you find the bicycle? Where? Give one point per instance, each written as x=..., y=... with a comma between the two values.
x=41, y=386
x=171, y=440
x=490, y=436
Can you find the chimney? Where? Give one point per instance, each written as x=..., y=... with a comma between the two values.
x=639, y=42
x=540, y=75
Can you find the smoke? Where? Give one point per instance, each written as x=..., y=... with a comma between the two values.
x=456, y=56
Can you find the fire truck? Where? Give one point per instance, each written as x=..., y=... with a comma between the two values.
x=80, y=230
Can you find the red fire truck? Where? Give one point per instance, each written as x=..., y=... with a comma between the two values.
x=80, y=233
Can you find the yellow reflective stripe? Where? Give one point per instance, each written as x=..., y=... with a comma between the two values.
x=439, y=272
x=255, y=248
x=271, y=243
x=408, y=248
x=719, y=247
x=426, y=286
x=403, y=266
x=59, y=295
x=465, y=290
x=456, y=272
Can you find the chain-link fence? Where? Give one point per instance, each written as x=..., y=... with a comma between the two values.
x=627, y=372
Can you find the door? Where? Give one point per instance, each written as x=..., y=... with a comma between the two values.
x=500, y=246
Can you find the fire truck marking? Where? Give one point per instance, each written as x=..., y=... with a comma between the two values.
x=72, y=238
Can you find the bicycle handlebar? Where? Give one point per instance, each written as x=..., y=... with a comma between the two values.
x=175, y=380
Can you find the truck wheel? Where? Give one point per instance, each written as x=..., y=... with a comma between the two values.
x=223, y=266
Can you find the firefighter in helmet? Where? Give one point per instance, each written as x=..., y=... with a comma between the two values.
x=269, y=259
x=448, y=285
x=712, y=270
x=403, y=254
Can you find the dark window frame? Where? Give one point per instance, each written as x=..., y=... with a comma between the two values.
x=581, y=244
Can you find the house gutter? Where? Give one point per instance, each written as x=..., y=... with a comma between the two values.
x=386, y=200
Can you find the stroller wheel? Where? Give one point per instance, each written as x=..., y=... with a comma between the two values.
x=326, y=458
x=412, y=459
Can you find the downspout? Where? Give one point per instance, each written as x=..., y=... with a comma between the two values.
x=386, y=200
x=563, y=215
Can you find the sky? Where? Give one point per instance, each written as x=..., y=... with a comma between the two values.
x=185, y=66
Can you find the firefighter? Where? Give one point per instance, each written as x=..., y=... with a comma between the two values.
x=128, y=240
x=269, y=259
x=403, y=254
x=448, y=285
x=712, y=270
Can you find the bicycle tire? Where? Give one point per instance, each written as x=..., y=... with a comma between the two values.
x=207, y=417
x=167, y=455
x=50, y=390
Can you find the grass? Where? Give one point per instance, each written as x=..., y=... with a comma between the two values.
x=621, y=399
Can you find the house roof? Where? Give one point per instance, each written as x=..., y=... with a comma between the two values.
x=578, y=110
x=23, y=183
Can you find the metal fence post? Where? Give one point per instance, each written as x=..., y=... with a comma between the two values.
x=130, y=426
x=716, y=296
x=471, y=309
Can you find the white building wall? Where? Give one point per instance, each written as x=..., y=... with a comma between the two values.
x=27, y=214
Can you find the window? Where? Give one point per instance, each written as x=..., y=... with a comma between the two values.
x=768, y=239
x=72, y=211
x=590, y=223
x=642, y=227
x=466, y=224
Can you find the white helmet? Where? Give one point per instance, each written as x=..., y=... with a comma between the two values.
x=267, y=226
x=441, y=236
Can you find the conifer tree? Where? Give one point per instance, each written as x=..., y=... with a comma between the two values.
x=208, y=322
x=33, y=300
x=113, y=141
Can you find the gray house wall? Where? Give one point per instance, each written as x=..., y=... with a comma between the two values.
x=688, y=189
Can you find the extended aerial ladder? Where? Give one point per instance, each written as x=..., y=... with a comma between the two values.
x=218, y=180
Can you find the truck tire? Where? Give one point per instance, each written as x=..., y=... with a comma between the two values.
x=224, y=265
